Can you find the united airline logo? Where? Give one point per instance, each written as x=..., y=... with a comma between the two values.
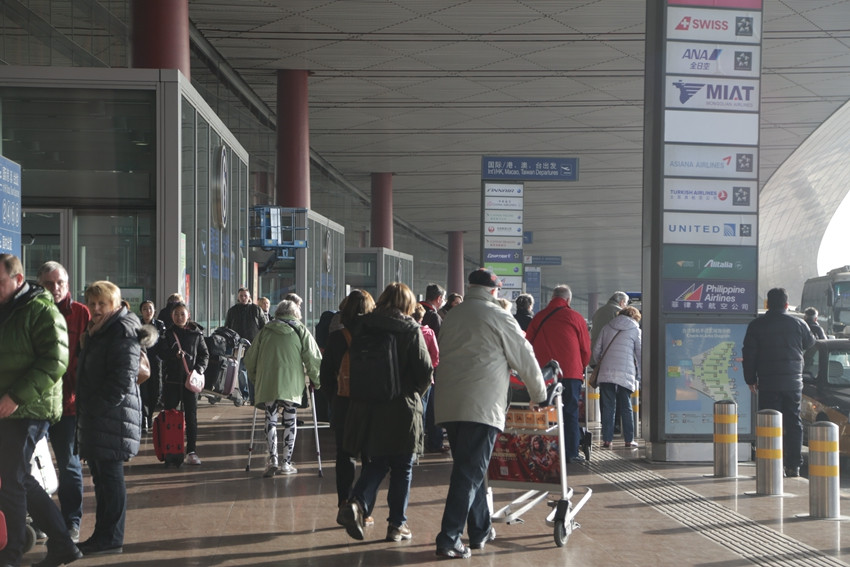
x=693, y=293
x=689, y=23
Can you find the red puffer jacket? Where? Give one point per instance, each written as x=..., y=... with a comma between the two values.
x=562, y=337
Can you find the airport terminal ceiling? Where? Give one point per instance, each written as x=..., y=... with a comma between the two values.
x=425, y=89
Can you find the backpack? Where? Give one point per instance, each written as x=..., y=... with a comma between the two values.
x=373, y=362
x=343, y=377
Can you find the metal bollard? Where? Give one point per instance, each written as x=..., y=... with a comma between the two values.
x=636, y=411
x=769, y=453
x=824, y=489
x=725, y=439
x=591, y=403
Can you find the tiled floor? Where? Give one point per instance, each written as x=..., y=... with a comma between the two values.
x=639, y=514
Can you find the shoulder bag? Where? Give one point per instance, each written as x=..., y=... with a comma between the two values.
x=144, y=368
x=593, y=380
x=194, y=379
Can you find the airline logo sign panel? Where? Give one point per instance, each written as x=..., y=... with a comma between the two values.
x=711, y=90
x=712, y=93
x=502, y=212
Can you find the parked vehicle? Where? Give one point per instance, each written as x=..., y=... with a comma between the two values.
x=830, y=295
x=826, y=388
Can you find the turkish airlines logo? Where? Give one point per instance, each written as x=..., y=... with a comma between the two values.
x=688, y=23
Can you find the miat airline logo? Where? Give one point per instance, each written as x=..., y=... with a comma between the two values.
x=689, y=23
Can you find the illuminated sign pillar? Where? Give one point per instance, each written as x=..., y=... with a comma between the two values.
x=700, y=224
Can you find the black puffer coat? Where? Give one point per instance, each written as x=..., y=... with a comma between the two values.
x=109, y=415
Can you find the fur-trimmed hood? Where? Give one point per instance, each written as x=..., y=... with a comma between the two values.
x=148, y=335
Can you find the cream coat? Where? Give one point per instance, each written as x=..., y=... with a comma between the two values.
x=479, y=343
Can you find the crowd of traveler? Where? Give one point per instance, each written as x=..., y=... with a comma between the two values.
x=70, y=370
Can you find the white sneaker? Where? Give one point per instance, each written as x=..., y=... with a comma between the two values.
x=193, y=459
x=287, y=468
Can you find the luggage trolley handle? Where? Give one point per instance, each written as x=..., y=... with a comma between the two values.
x=552, y=392
x=551, y=372
x=239, y=350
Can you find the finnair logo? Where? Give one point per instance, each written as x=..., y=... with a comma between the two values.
x=687, y=90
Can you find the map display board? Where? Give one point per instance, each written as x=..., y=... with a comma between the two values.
x=703, y=362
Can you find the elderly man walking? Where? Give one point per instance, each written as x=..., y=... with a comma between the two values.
x=560, y=333
x=479, y=344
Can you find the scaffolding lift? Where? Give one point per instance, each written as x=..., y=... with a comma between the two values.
x=274, y=229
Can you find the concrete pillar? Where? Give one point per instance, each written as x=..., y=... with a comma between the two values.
x=160, y=35
x=592, y=303
x=456, y=277
x=293, y=139
x=382, y=210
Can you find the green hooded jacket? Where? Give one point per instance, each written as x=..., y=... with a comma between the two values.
x=33, y=353
x=278, y=359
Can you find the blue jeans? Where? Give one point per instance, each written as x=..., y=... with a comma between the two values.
x=246, y=387
x=20, y=492
x=569, y=416
x=466, y=502
x=372, y=474
x=787, y=402
x=617, y=400
x=62, y=435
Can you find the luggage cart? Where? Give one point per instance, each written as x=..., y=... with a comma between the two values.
x=233, y=362
x=531, y=455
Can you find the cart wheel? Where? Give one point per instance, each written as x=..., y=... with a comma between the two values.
x=29, y=538
x=562, y=532
x=213, y=400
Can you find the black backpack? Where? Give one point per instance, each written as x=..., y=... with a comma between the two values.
x=373, y=363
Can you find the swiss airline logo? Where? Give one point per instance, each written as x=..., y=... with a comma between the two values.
x=688, y=23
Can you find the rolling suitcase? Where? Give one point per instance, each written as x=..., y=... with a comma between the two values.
x=3, y=533
x=41, y=467
x=168, y=437
x=231, y=377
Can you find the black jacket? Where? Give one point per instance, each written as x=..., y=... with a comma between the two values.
x=246, y=319
x=109, y=415
x=773, y=351
x=194, y=347
x=524, y=318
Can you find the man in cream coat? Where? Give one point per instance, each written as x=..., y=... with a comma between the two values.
x=479, y=344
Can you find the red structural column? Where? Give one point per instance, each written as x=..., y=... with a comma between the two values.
x=456, y=277
x=382, y=210
x=293, y=139
x=160, y=35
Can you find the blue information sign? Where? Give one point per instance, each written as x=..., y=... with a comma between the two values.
x=491, y=255
x=543, y=260
x=10, y=207
x=533, y=284
x=536, y=168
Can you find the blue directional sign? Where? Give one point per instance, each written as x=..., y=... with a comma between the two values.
x=529, y=168
x=10, y=207
x=528, y=237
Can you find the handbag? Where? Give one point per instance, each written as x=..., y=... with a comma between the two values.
x=144, y=368
x=593, y=380
x=194, y=380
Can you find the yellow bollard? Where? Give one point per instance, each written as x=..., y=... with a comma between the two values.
x=725, y=439
x=769, y=453
x=824, y=485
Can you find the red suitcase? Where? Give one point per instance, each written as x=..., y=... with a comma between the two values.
x=2, y=531
x=168, y=437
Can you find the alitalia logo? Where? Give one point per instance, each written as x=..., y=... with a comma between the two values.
x=720, y=265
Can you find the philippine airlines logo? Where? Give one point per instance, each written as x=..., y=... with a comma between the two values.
x=687, y=90
x=693, y=293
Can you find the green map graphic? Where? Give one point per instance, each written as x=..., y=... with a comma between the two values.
x=710, y=374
